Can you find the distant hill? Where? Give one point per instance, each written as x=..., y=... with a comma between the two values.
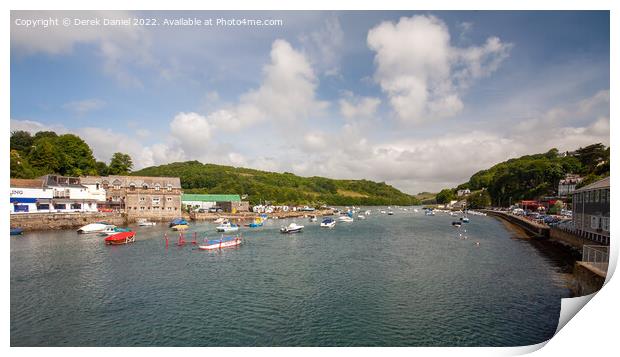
x=281, y=188
x=536, y=176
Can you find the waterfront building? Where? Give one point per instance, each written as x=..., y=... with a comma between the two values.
x=29, y=196
x=156, y=198
x=567, y=185
x=591, y=211
x=52, y=193
x=225, y=202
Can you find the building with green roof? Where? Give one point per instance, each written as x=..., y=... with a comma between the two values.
x=227, y=202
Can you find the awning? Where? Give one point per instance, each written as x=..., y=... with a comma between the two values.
x=23, y=200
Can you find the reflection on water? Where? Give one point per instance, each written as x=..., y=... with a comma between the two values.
x=402, y=280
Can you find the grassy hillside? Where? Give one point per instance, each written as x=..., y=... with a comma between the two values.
x=281, y=188
x=536, y=176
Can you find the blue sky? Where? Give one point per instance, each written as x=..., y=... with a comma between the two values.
x=421, y=100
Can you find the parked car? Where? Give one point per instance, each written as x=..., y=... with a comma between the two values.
x=215, y=210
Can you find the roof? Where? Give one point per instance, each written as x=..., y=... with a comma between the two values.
x=210, y=198
x=125, y=181
x=61, y=181
x=27, y=183
x=604, y=183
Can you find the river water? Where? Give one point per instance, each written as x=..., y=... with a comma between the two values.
x=401, y=280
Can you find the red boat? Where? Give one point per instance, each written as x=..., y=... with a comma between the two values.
x=121, y=238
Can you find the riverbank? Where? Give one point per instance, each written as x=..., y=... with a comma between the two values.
x=248, y=216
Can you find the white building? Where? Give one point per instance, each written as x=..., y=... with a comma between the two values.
x=568, y=184
x=30, y=196
x=53, y=193
x=464, y=192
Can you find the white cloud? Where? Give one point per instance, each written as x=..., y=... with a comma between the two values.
x=192, y=132
x=422, y=73
x=352, y=106
x=324, y=46
x=82, y=107
x=119, y=47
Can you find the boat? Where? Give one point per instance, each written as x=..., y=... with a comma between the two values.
x=109, y=230
x=345, y=219
x=258, y=222
x=16, y=231
x=93, y=228
x=328, y=223
x=429, y=213
x=415, y=210
x=225, y=242
x=465, y=219
x=390, y=213
x=456, y=224
x=367, y=212
x=145, y=223
x=121, y=238
x=227, y=227
x=383, y=212
x=177, y=222
x=361, y=216
x=313, y=219
x=220, y=220
x=291, y=228
x=180, y=227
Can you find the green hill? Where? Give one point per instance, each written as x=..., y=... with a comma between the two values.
x=280, y=188
x=536, y=176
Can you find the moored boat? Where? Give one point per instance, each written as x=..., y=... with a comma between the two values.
x=465, y=219
x=177, y=222
x=328, y=223
x=456, y=224
x=227, y=227
x=292, y=228
x=180, y=227
x=224, y=242
x=390, y=213
x=258, y=222
x=313, y=219
x=121, y=238
x=345, y=219
x=16, y=231
x=145, y=223
x=93, y=228
x=361, y=216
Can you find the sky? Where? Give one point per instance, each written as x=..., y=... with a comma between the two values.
x=420, y=100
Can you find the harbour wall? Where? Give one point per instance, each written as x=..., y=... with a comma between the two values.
x=587, y=280
x=534, y=229
x=246, y=216
x=49, y=221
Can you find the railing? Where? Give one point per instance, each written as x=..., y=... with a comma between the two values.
x=596, y=256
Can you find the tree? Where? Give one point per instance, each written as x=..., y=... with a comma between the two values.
x=102, y=168
x=21, y=141
x=445, y=196
x=76, y=157
x=480, y=199
x=557, y=207
x=591, y=156
x=120, y=164
x=19, y=166
x=44, y=156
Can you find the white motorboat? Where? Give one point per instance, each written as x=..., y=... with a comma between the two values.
x=93, y=228
x=109, y=230
x=313, y=219
x=328, y=223
x=220, y=220
x=383, y=212
x=367, y=212
x=291, y=228
x=227, y=227
x=145, y=223
x=345, y=219
x=390, y=213
x=361, y=217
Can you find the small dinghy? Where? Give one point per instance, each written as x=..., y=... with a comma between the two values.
x=145, y=223
x=93, y=228
x=177, y=222
x=227, y=227
x=464, y=219
x=292, y=228
x=180, y=227
x=16, y=231
x=121, y=238
x=313, y=219
x=328, y=223
x=456, y=224
x=225, y=242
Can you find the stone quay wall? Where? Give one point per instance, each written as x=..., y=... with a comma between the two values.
x=51, y=221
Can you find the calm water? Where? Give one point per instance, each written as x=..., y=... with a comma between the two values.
x=402, y=280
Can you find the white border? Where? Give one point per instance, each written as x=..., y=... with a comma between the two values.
x=590, y=332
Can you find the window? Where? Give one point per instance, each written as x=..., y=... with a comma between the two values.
x=155, y=201
x=60, y=206
x=594, y=222
x=141, y=199
x=169, y=199
x=97, y=186
x=169, y=187
x=157, y=187
x=142, y=208
x=145, y=186
x=605, y=224
x=597, y=196
x=76, y=206
x=43, y=206
x=169, y=208
x=132, y=187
